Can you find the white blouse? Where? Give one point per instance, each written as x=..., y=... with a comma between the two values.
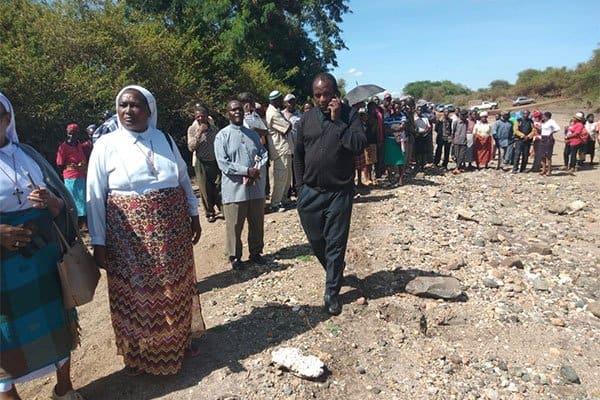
x=8, y=200
x=482, y=129
x=130, y=163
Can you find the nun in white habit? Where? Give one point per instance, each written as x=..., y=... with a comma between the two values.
x=143, y=221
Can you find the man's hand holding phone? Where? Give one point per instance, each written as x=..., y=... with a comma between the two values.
x=335, y=107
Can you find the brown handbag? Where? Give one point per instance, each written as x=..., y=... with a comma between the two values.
x=79, y=274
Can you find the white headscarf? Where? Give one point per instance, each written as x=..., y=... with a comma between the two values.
x=149, y=98
x=11, y=131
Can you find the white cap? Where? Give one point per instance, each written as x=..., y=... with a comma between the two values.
x=289, y=97
x=274, y=94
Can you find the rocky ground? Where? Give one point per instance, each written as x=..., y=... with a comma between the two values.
x=525, y=323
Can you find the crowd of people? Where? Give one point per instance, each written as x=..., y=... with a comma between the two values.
x=402, y=136
x=127, y=183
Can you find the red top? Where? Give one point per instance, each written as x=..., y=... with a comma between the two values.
x=576, y=134
x=74, y=159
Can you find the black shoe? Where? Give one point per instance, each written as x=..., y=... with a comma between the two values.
x=211, y=218
x=236, y=264
x=332, y=304
x=258, y=259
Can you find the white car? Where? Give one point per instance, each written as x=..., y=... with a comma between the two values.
x=485, y=105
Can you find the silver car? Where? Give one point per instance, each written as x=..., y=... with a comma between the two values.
x=521, y=101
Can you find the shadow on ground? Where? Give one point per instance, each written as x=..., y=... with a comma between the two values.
x=227, y=345
x=294, y=251
x=230, y=277
x=223, y=346
x=373, y=198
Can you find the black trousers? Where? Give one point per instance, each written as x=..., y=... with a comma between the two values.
x=521, y=155
x=445, y=146
x=430, y=148
x=208, y=178
x=421, y=151
x=325, y=217
x=572, y=156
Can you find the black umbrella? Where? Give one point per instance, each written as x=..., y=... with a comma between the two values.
x=362, y=92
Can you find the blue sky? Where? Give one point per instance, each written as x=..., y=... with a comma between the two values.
x=473, y=42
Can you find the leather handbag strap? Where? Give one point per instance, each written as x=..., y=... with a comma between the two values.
x=64, y=245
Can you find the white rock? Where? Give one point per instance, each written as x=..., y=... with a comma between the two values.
x=301, y=365
x=576, y=206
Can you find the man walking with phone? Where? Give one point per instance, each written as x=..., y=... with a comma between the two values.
x=329, y=136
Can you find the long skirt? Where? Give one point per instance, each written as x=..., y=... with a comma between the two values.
x=76, y=186
x=590, y=147
x=393, y=154
x=151, y=279
x=359, y=162
x=370, y=154
x=483, y=149
x=546, y=147
x=37, y=334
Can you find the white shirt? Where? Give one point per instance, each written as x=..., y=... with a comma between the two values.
x=123, y=163
x=482, y=129
x=8, y=201
x=549, y=127
x=592, y=128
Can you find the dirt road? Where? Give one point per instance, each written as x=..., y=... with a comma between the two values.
x=508, y=340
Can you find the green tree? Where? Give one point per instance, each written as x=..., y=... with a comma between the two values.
x=500, y=84
x=295, y=39
x=440, y=89
x=65, y=61
x=586, y=80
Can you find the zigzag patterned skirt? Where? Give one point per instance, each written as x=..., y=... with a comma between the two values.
x=151, y=279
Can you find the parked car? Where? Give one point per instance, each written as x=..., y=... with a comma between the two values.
x=439, y=107
x=521, y=101
x=485, y=105
x=450, y=107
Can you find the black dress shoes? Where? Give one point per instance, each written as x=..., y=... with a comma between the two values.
x=332, y=304
x=236, y=264
x=258, y=259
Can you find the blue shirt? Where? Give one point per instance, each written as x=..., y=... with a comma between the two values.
x=503, y=133
x=236, y=149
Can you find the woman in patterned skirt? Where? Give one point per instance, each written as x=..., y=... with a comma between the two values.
x=143, y=220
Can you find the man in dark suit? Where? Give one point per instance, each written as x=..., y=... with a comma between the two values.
x=329, y=136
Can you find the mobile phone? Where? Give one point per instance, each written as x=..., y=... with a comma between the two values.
x=33, y=184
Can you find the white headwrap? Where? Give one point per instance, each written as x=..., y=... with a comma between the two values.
x=149, y=98
x=11, y=131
